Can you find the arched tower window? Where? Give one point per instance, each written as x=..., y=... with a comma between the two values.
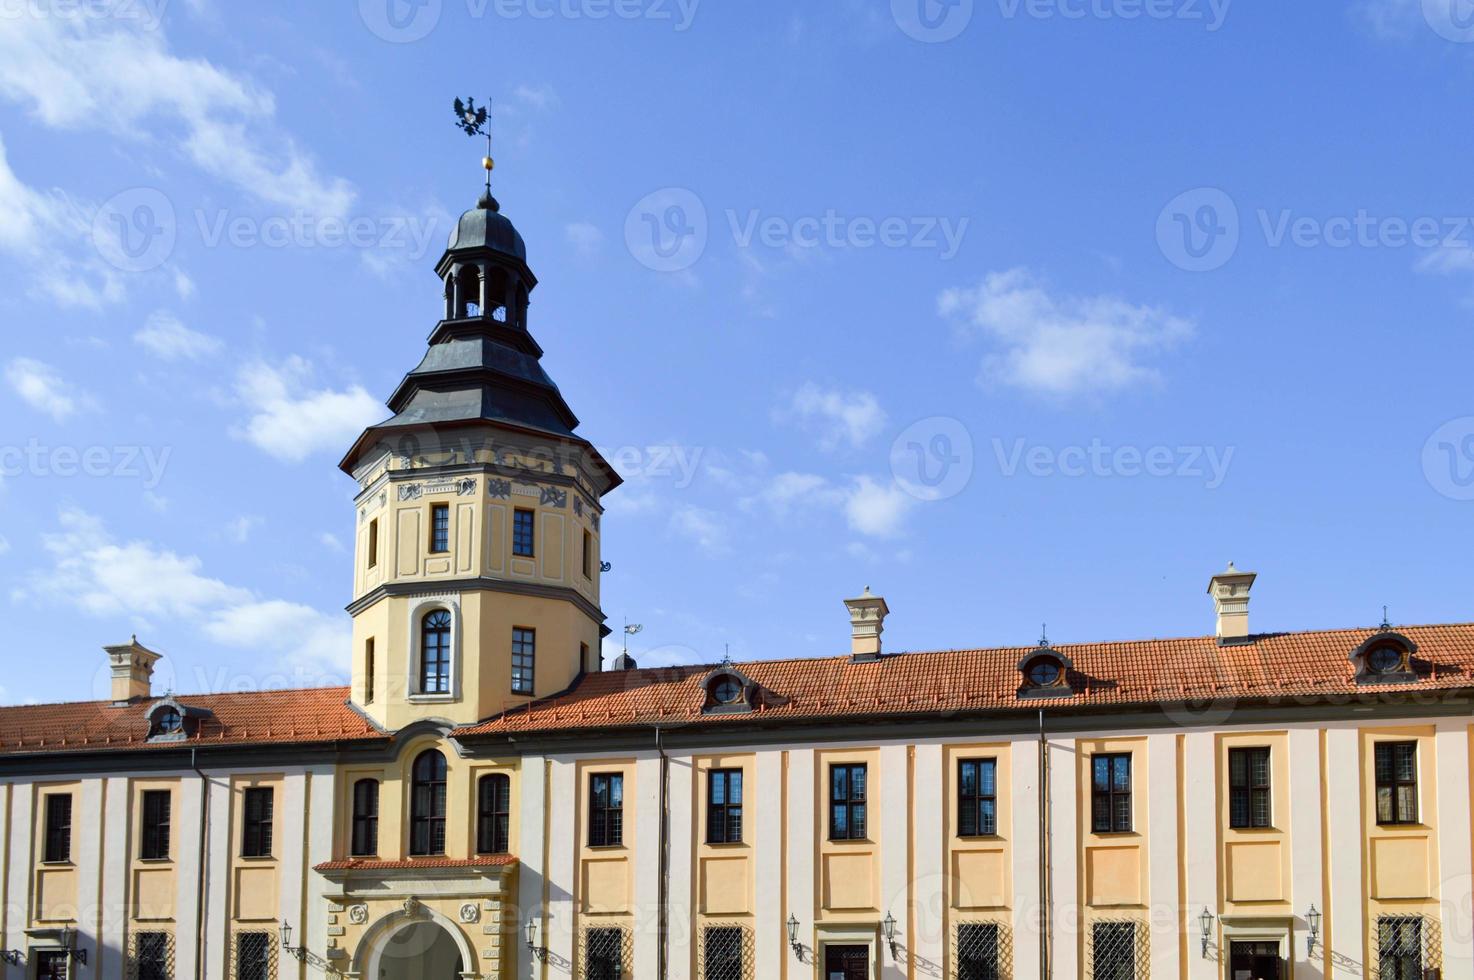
x=366, y=818
x=427, y=805
x=435, y=652
x=494, y=815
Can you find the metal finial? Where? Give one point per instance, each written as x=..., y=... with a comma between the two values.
x=727, y=656
x=1386, y=622
x=471, y=119
x=1044, y=636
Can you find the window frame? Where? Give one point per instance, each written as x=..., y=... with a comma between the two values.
x=993, y=943
x=370, y=666
x=977, y=799
x=1251, y=794
x=427, y=807
x=258, y=832
x=851, y=803
x=524, y=537
x=524, y=660
x=363, y=827
x=155, y=832
x=720, y=816
x=601, y=969
x=440, y=529
x=151, y=956
x=444, y=647
x=373, y=544
x=1406, y=963
x=1396, y=817
x=494, y=816
x=729, y=944
x=606, y=821
x=1111, y=796
x=265, y=943
x=588, y=555
x=56, y=845
x=1118, y=946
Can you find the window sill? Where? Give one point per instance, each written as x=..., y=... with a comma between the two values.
x=726, y=843
x=258, y=858
x=979, y=838
x=58, y=865
x=432, y=699
x=606, y=847
x=156, y=861
x=851, y=840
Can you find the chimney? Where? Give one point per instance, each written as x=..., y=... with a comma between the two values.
x=867, y=622
x=1230, y=592
x=133, y=671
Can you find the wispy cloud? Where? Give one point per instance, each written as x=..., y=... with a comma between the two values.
x=41, y=387
x=167, y=338
x=1058, y=344
x=291, y=420
x=585, y=238
x=836, y=417
x=707, y=529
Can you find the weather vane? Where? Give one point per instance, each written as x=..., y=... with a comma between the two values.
x=471, y=120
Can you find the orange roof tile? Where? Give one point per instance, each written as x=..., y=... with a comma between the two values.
x=315, y=715
x=1139, y=673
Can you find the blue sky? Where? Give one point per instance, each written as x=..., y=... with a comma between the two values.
x=1014, y=311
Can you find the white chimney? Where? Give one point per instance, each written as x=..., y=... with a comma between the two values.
x=1230, y=592
x=867, y=622
x=133, y=671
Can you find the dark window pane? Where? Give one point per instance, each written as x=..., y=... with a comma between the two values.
x=977, y=952
x=523, y=540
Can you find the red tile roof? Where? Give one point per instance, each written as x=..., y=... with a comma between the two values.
x=426, y=864
x=1142, y=673
x=316, y=715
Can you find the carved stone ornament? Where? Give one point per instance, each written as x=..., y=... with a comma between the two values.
x=500, y=489
x=466, y=488
x=578, y=506
x=411, y=491
x=470, y=913
x=554, y=497
x=358, y=914
x=413, y=908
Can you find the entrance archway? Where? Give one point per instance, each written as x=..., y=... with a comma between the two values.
x=420, y=951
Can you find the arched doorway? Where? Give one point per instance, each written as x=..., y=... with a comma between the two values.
x=420, y=951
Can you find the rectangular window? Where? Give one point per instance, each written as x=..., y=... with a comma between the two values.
x=977, y=798
x=524, y=660
x=51, y=965
x=58, y=848
x=366, y=818
x=440, y=528
x=588, y=555
x=604, y=950
x=583, y=657
x=721, y=953
x=1111, y=793
x=153, y=958
x=373, y=543
x=368, y=671
x=1399, y=948
x=157, y=810
x=1248, y=788
x=724, y=806
x=523, y=540
x=257, y=823
x=1397, y=782
x=977, y=951
x=1113, y=951
x=494, y=815
x=847, y=802
x=254, y=958
x=606, y=810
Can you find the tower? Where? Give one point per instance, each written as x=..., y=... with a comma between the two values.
x=476, y=578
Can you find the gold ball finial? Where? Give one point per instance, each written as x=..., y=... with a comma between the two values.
x=488, y=164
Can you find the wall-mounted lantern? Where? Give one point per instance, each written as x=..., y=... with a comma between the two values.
x=1312, y=919
x=1205, y=921
x=69, y=946
x=889, y=928
x=798, y=947
x=532, y=947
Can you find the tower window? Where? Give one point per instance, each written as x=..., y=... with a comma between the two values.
x=1248, y=788
x=157, y=805
x=435, y=653
x=606, y=810
x=368, y=671
x=58, y=828
x=523, y=538
x=257, y=824
x=366, y=818
x=494, y=815
x=427, y=810
x=373, y=543
x=977, y=798
x=588, y=555
x=1110, y=803
x=440, y=529
x=524, y=660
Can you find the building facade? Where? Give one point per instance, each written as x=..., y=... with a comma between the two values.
x=488, y=801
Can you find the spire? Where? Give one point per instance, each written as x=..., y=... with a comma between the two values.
x=471, y=120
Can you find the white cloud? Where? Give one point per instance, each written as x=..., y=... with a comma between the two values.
x=165, y=337
x=1061, y=345
x=160, y=504
x=291, y=420
x=42, y=388
x=74, y=71
x=706, y=528
x=240, y=529
x=877, y=509
x=1449, y=260
x=183, y=284
x=298, y=634
x=786, y=491
x=4, y=545
x=869, y=507
x=837, y=417
x=536, y=96
x=585, y=238
x=330, y=541
x=1390, y=18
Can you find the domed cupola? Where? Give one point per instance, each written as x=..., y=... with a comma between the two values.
x=485, y=227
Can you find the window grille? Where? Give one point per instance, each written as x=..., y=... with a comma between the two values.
x=151, y=956
x=1118, y=950
x=982, y=951
x=726, y=953
x=606, y=954
x=255, y=956
x=1409, y=947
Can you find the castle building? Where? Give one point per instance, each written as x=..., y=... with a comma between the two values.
x=486, y=801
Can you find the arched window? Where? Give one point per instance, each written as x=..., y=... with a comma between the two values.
x=435, y=653
x=366, y=818
x=427, y=806
x=494, y=812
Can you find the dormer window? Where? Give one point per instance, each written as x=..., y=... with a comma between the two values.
x=1386, y=658
x=1046, y=674
x=728, y=690
x=170, y=721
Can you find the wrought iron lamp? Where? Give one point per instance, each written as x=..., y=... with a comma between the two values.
x=889, y=928
x=1312, y=919
x=69, y=946
x=538, y=951
x=296, y=952
x=1205, y=921
x=798, y=947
